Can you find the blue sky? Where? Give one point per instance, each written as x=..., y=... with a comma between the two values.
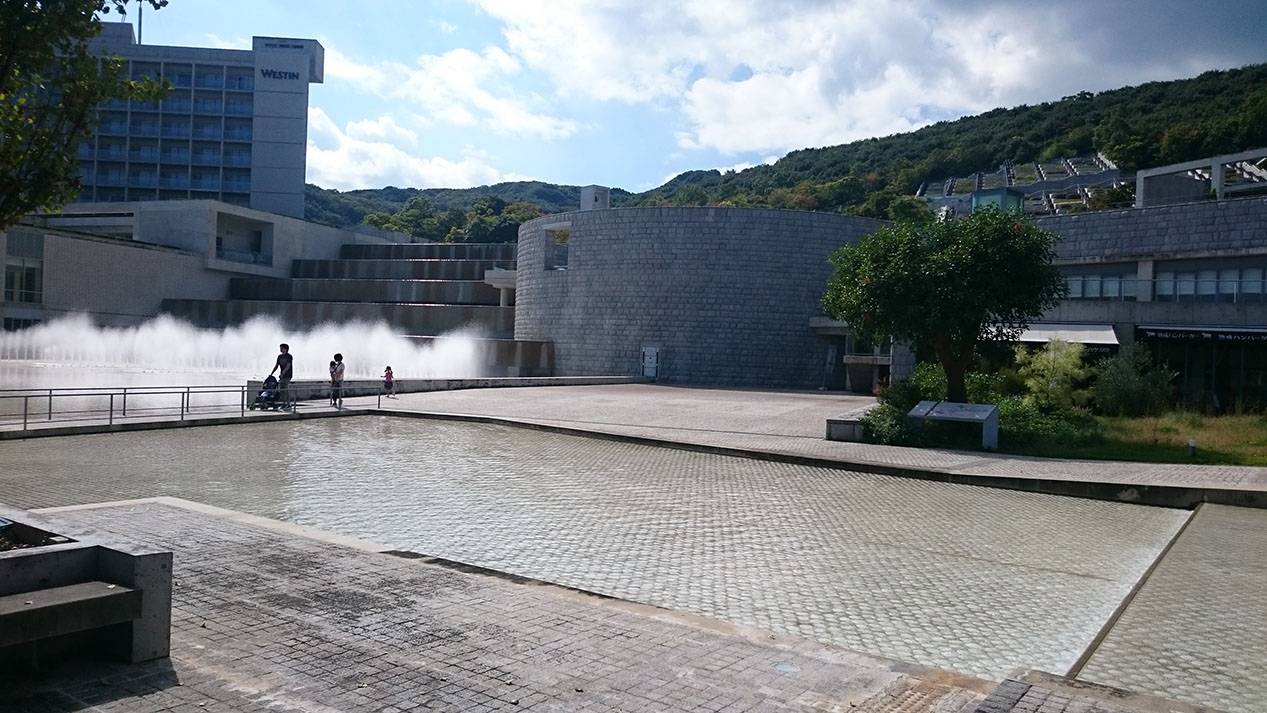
x=628, y=93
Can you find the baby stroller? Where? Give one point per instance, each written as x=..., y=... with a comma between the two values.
x=268, y=395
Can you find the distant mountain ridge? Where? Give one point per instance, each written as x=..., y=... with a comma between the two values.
x=1148, y=125
x=348, y=208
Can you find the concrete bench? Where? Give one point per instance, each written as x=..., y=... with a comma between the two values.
x=33, y=616
x=985, y=414
x=76, y=595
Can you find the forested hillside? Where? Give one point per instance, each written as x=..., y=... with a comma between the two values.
x=1137, y=127
x=350, y=208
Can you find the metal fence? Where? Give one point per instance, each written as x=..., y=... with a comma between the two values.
x=29, y=408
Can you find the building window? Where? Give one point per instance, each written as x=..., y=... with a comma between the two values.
x=1229, y=284
x=13, y=324
x=557, y=246
x=1109, y=286
x=23, y=280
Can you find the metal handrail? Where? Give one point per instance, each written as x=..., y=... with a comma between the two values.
x=115, y=403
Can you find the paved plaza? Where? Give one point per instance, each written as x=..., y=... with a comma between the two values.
x=742, y=549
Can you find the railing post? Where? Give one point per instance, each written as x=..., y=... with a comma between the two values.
x=184, y=402
x=26, y=407
x=125, y=402
x=242, y=401
x=50, y=404
x=110, y=419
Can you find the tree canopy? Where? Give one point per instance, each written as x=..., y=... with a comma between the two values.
x=487, y=220
x=50, y=86
x=948, y=284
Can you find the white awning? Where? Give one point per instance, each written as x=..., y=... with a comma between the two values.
x=1073, y=333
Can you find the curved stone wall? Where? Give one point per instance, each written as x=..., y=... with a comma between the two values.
x=727, y=294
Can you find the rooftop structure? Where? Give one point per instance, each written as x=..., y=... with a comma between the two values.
x=1053, y=187
x=1226, y=176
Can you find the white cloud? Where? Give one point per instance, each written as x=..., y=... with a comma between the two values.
x=447, y=28
x=459, y=87
x=373, y=153
x=384, y=129
x=777, y=75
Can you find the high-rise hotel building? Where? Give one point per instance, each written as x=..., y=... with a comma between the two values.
x=234, y=127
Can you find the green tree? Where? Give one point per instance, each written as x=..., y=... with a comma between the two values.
x=50, y=86
x=1053, y=375
x=910, y=209
x=949, y=284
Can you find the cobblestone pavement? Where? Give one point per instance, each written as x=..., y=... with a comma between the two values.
x=1146, y=651
x=1208, y=588
x=783, y=423
x=263, y=619
x=975, y=580
x=267, y=621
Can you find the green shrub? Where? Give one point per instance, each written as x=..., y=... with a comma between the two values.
x=929, y=380
x=984, y=388
x=927, y=383
x=1022, y=422
x=1130, y=385
x=886, y=425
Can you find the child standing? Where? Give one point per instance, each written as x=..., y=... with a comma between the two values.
x=389, y=383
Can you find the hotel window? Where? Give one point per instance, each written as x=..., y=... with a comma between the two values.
x=23, y=280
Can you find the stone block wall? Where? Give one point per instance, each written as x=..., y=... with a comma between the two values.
x=1207, y=228
x=726, y=294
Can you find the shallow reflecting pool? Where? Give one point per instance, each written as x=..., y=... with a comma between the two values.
x=972, y=579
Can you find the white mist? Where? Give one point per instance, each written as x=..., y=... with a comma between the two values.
x=72, y=351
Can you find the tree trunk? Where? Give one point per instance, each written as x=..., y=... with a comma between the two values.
x=955, y=364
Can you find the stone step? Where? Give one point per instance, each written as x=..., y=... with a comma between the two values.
x=433, y=251
x=415, y=319
x=449, y=292
x=403, y=269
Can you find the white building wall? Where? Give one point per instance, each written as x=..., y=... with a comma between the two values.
x=234, y=128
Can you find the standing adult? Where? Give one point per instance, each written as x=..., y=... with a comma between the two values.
x=285, y=363
x=333, y=395
x=336, y=381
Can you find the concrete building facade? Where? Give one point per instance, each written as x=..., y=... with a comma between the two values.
x=1187, y=279
x=730, y=295
x=233, y=128
x=693, y=295
x=118, y=262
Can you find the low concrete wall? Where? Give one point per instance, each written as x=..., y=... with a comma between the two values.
x=847, y=426
x=85, y=560
x=313, y=390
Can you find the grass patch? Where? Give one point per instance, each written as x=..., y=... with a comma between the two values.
x=1221, y=440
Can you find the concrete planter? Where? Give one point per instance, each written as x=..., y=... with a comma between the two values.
x=64, y=593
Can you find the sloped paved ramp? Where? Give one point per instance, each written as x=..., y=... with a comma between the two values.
x=1195, y=631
